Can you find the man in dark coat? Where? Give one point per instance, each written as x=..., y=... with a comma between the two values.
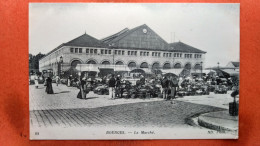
x=49, y=89
x=173, y=83
x=118, y=87
x=142, y=80
x=165, y=84
x=111, y=85
x=82, y=89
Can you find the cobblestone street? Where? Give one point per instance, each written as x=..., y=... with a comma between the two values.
x=63, y=109
x=158, y=113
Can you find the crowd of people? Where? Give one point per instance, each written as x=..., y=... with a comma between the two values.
x=169, y=86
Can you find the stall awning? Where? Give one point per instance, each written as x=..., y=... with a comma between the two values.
x=87, y=67
x=174, y=71
x=121, y=68
x=147, y=70
x=231, y=72
x=97, y=67
x=199, y=71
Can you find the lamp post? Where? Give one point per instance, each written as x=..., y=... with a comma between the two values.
x=60, y=62
x=218, y=69
x=201, y=69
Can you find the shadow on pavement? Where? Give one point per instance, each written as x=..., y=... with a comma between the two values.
x=88, y=98
x=40, y=87
x=62, y=92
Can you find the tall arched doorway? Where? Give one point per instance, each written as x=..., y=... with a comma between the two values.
x=75, y=63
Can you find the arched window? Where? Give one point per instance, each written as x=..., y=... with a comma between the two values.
x=144, y=65
x=132, y=64
x=187, y=66
x=105, y=62
x=155, y=66
x=75, y=63
x=177, y=65
x=166, y=66
x=91, y=62
x=197, y=66
x=119, y=63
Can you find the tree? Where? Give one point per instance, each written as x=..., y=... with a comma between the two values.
x=34, y=61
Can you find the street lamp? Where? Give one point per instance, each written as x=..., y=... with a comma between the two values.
x=201, y=69
x=60, y=62
x=218, y=69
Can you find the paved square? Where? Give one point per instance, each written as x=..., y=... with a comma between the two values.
x=65, y=110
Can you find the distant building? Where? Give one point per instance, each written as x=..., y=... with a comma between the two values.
x=137, y=48
x=232, y=64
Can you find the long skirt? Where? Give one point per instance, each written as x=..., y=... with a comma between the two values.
x=81, y=93
x=49, y=89
x=173, y=92
x=69, y=82
x=36, y=83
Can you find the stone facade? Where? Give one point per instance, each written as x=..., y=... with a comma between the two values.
x=136, y=49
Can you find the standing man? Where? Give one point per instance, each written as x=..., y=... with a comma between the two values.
x=164, y=84
x=142, y=80
x=82, y=88
x=118, y=86
x=174, y=85
x=171, y=88
x=111, y=85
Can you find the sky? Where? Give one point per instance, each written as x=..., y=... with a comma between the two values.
x=213, y=28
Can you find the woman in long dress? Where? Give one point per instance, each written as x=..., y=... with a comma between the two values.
x=36, y=81
x=49, y=89
x=82, y=89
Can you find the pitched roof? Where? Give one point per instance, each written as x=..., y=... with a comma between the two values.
x=236, y=64
x=133, y=39
x=53, y=50
x=113, y=36
x=85, y=40
x=122, y=35
x=181, y=47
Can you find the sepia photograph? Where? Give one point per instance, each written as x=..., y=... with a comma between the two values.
x=134, y=71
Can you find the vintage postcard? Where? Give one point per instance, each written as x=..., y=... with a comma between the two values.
x=133, y=70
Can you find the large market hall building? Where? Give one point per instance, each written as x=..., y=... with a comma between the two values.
x=137, y=48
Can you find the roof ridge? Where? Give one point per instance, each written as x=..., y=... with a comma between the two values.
x=113, y=36
x=176, y=44
x=61, y=45
x=130, y=31
x=157, y=35
x=75, y=38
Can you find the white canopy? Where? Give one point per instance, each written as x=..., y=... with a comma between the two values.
x=231, y=72
x=87, y=67
x=97, y=67
x=121, y=68
x=174, y=71
x=199, y=71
